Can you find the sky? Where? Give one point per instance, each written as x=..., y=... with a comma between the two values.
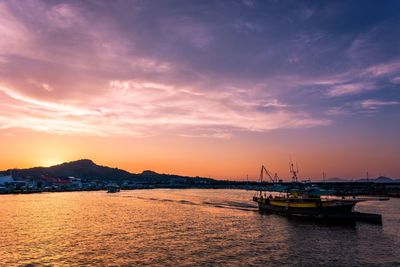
x=207, y=88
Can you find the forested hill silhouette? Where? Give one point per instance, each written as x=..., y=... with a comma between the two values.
x=88, y=170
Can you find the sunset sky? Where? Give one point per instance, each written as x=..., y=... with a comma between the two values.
x=208, y=88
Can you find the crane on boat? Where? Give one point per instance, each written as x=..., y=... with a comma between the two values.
x=274, y=179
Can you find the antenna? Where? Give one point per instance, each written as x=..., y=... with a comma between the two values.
x=323, y=176
x=294, y=171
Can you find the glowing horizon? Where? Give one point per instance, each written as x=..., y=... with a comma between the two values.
x=211, y=89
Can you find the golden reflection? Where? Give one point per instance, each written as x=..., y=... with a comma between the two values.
x=166, y=227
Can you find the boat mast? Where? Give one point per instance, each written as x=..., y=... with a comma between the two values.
x=272, y=179
x=261, y=180
x=276, y=178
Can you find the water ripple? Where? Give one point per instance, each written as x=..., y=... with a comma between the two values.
x=182, y=228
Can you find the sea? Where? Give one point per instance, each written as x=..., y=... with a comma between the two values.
x=184, y=227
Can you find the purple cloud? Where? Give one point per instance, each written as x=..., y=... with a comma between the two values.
x=147, y=68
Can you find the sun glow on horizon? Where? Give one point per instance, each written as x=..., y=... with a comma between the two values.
x=50, y=162
x=176, y=89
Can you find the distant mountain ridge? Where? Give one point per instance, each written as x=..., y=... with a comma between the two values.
x=380, y=179
x=88, y=170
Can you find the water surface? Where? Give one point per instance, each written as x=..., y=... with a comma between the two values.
x=183, y=228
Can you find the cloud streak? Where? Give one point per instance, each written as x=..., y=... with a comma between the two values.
x=142, y=108
x=143, y=69
x=350, y=88
x=373, y=104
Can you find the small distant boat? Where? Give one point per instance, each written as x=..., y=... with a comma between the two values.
x=305, y=200
x=113, y=188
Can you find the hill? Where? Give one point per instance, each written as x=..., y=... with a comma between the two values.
x=88, y=170
x=336, y=180
x=380, y=179
x=84, y=168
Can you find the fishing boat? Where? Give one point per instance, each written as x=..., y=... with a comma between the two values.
x=113, y=188
x=307, y=200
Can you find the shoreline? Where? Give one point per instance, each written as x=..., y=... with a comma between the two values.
x=348, y=192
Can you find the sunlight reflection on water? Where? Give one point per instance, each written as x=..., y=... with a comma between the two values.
x=185, y=228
